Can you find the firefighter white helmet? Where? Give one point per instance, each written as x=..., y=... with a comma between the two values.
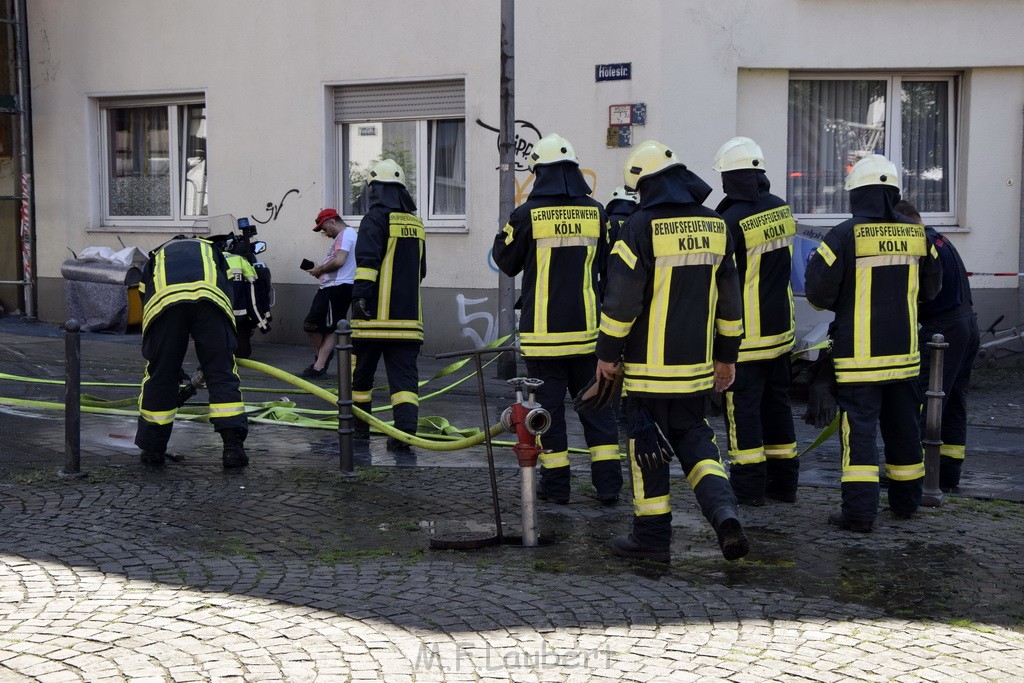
x=552, y=149
x=386, y=171
x=874, y=169
x=739, y=153
x=649, y=158
x=622, y=193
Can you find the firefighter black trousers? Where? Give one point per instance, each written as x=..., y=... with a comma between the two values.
x=682, y=421
x=893, y=407
x=961, y=333
x=600, y=430
x=164, y=346
x=403, y=378
x=759, y=425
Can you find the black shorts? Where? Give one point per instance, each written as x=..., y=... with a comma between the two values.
x=329, y=306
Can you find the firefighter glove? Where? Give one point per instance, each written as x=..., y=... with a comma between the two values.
x=361, y=309
x=650, y=447
x=821, y=391
x=598, y=394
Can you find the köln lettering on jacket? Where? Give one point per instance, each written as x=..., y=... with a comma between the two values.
x=890, y=239
x=672, y=236
x=405, y=225
x=768, y=226
x=565, y=221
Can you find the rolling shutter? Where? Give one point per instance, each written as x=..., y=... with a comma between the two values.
x=385, y=101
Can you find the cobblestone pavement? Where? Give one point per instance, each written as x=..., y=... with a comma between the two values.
x=289, y=571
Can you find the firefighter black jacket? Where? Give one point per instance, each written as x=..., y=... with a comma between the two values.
x=560, y=245
x=672, y=305
x=391, y=260
x=872, y=270
x=762, y=228
x=184, y=271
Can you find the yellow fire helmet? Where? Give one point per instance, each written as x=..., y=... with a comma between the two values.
x=552, y=149
x=874, y=169
x=738, y=153
x=622, y=193
x=386, y=171
x=649, y=158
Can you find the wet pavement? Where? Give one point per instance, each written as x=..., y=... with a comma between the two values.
x=291, y=571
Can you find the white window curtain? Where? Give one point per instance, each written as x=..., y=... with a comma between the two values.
x=832, y=124
x=449, y=152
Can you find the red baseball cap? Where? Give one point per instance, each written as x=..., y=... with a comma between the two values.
x=324, y=216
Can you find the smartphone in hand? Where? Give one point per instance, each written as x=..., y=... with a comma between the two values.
x=307, y=264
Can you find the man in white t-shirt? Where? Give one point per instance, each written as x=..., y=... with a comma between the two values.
x=336, y=274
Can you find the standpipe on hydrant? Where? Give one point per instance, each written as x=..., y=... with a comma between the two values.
x=527, y=419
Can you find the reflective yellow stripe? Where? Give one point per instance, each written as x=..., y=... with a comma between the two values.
x=589, y=295
x=752, y=295
x=405, y=397
x=661, y=386
x=160, y=417
x=550, y=460
x=953, y=451
x=658, y=316
x=559, y=337
x=730, y=413
x=613, y=327
x=411, y=335
x=729, y=328
x=395, y=324
x=540, y=296
x=509, y=231
x=827, y=254
x=913, y=286
x=905, y=472
x=623, y=252
x=783, y=451
x=934, y=252
x=366, y=274
x=705, y=468
x=610, y=452
x=749, y=456
x=387, y=267
x=844, y=439
x=362, y=396
x=862, y=314
x=860, y=473
x=646, y=507
x=556, y=351
x=226, y=409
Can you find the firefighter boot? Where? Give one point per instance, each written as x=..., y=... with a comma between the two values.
x=234, y=453
x=731, y=539
x=152, y=458
x=627, y=546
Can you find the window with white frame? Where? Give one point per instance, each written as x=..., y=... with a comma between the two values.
x=836, y=120
x=153, y=157
x=422, y=126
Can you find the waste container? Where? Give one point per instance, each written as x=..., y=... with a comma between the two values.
x=102, y=289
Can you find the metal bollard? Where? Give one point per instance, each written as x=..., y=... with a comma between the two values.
x=72, y=401
x=343, y=349
x=932, y=496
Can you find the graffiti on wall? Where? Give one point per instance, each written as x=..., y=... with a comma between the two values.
x=526, y=136
x=490, y=333
x=273, y=210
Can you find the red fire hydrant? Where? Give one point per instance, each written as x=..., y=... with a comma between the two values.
x=527, y=419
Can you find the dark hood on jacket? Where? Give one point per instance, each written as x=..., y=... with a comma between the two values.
x=675, y=185
x=620, y=208
x=875, y=201
x=746, y=184
x=559, y=179
x=391, y=196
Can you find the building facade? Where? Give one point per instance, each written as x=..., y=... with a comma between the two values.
x=151, y=117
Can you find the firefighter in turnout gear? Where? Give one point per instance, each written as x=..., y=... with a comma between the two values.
x=558, y=239
x=672, y=314
x=758, y=417
x=186, y=294
x=871, y=270
x=952, y=315
x=619, y=207
x=387, y=316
